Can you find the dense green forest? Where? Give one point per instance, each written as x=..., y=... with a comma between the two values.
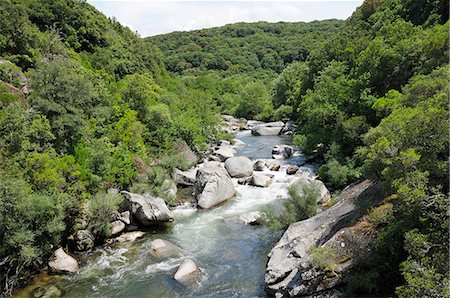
x=237, y=64
x=87, y=105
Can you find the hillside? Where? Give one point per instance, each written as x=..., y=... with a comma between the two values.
x=242, y=47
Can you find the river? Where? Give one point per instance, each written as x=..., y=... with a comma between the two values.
x=231, y=256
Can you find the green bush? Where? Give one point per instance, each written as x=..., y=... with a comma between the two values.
x=101, y=209
x=323, y=257
x=300, y=204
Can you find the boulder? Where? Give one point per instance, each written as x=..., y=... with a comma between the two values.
x=324, y=193
x=129, y=236
x=239, y=166
x=187, y=271
x=83, y=240
x=267, y=129
x=117, y=226
x=183, y=148
x=46, y=292
x=238, y=143
x=223, y=153
x=274, y=167
x=244, y=181
x=251, y=123
x=261, y=180
x=160, y=248
x=125, y=217
x=213, y=185
x=253, y=218
x=146, y=209
x=291, y=170
x=259, y=165
x=61, y=262
x=282, y=152
x=337, y=233
x=185, y=178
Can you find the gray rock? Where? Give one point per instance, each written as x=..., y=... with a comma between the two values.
x=185, y=178
x=183, y=148
x=238, y=143
x=239, y=166
x=261, y=180
x=253, y=218
x=117, y=226
x=324, y=193
x=129, y=236
x=160, y=248
x=61, y=262
x=282, y=152
x=187, y=272
x=290, y=270
x=148, y=210
x=268, y=129
x=125, y=217
x=223, y=153
x=259, y=165
x=274, y=167
x=46, y=292
x=83, y=240
x=213, y=185
x=291, y=170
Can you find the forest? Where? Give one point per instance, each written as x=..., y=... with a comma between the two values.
x=87, y=105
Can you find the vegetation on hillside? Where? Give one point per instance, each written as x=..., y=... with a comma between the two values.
x=87, y=105
x=373, y=101
x=237, y=63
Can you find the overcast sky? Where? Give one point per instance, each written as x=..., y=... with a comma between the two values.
x=157, y=17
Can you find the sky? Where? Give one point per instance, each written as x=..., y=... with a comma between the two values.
x=150, y=18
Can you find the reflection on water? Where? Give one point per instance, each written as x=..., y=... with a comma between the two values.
x=231, y=256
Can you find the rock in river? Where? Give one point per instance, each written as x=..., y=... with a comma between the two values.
x=187, y=271
x=62, y=262
x=163, y=249
x=268, y=129
x=148, y=210
x=261, y=180
x=213, y=185
x=117, y=226
x=253, y=218
x=239, y=167
x=185, y=178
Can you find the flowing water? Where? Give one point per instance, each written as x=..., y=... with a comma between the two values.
x=231, y=256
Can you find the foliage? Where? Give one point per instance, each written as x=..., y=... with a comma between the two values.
x=100, y=211
x=322, y=257
x=300, y=204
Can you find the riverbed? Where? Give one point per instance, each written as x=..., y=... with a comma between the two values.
x=231, y=256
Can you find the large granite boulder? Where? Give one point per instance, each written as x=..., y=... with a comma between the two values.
x=61, y=262
x=316, y=255
x=239, y=166
x=147, y=210
x=268, y=129
x=213, y=185
x=129, y=236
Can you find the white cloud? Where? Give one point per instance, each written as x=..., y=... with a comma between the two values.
x=158, y=17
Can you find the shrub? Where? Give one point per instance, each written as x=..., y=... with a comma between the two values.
x=323, y=257
x=101, y=208
x=300, y=204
